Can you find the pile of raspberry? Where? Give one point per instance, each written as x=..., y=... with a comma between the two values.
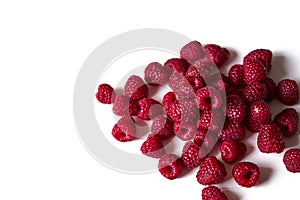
x=208, y=110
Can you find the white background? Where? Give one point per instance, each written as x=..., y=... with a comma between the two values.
x=42, y=47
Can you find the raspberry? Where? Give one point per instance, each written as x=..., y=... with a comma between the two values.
x=170, y=166
x=271, y=88
x=178, y=64
x=124, y=130
x=156, y=74
x=162, y=127
x=291, y=159
x=181, y=87
x=136, y=88
x=287, y=120
x=288, y=92
x=153, y=147
x=232, y=150
x=270, y=139
x=217, y=54
x=255, y=91
x=246, y=174
x=192, y=51
x=191, y=155
x=213, y=193
x=232, y=131
x=193, y=72
x=168, y=99
x=185, y=131
x=123, y=106
x=235, y=75
x=200, y=137
x=105, y=94
x=207, y=121
x=211, y=171
x=254, y=71
x=149, y=109
x=263, y=55
x=195, y=82
x=208, y=97
x=258, y=114
x=236, y=108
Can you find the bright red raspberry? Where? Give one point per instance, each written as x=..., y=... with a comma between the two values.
x=156, y=74
x=287, y=120
x=185, y=131
x=136, y=88
x=263, y=55
x=170, y=166
x=149, y=109
x=123, y=106
x=246, y=174
x=254, y=71
x=153, y=147
x=213, y=193
x=211, y=171
x=191, y=155
x=178, y=64
x=181, y=86
x=232, y=131
x=209, y=121
x=255, y=91
x=288, y=92
x=208, y=97
x=270, y=139
x=232, y=150
x=124, y=130
x=217, y=54
x=259, y=113
x=291, y=160
x=192, y=51
x=168, y=99
x=236, y=108
x=236, y=76
x=162, y=127
x=105, y=94
x=271, y=88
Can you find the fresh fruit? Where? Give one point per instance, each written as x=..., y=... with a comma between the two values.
x=170, y=166
x=288, y=92
x=287, y=120
x=232, y=150
x=191, y=155
x=217, y=54
x=149, y=109
x=232, y=131
x=291, y=160
x=263, y=55
x=271, y=88
x=153, y=147
x=236, y=108
x=254, y=71
x=246, y=174
x=156, y=74
x=255, y=91
x=208, y=97
x=135, y=88
x=192, y=51
x=258, y=113
x=123, y=106
x=180, y=65
x=162, y=127
x=105, y=94
x=213, y=193
x=236, y=76
x=124, y=130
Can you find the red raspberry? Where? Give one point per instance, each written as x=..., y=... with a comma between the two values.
x=287, y=120
x=192, y=51
x=208, y=97
x=236, y=108
x=153, y=147
x=254, y=71
x=213, y=193
x=246, y=174
x=271, y=88
x=207, y=121
x=170, y=166
x=178, y=64
x=168, y=99
x=291, y=160
x=191, y=155
x=105, y=94
x=263, y=55
x=255, y=91
x=211, y=171
x=123, y=106
x=232, y=131
x=232, y=150
x=288, y=92
x=156, y=74
x=136, y=88
x=181, y=87
x=259, y=113
x=235, y=75
x=185, y=131
x=149, y=109
x=200, y=137
x=270, y=139
x=193, y=72
x=217, y=54
x=162, y=127
x=124, y=130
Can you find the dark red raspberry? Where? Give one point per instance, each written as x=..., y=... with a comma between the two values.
x=217, y=54
x=207, y=121
x=105, y=94
x=149, y=109
x=288, y=92
x=200, y=137
x=153, y=147
x=254, y=71
x=192, y=51
x=232, y=150
x=178, y=64
x=259, y=113
x=156, y=74
x=124, y=130
x=185, y=131
x=213, y=193
x=170, y=166
x=246, y=174
x=191, y=155
x=208, y=97
x=136, y=88
x=291, y=160
x=162, y=127
x=168, y=99
x=263, y=55
x=211, y=171
x=181, y=87
x=271, y=88
x=236, y=108
x=123, y=106
x=287, y=120
x=236, y=76
x=255, y=91
x=193, y=72
x=270, y=139
x=232, y=131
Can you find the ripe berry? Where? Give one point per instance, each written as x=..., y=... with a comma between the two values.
x=156, y=74
x=178, y=64
x=246, y=174
x=255, y=91
x=291, y=160
x=254, y=71
x=168, y=99
x=236, y=108
x=232, y=150
x=200, y=137
x=287, y=120
x=259, y=113
x=217, y=54
x=136, y=88
x=153, y=147
x=181, y=87
x=193, y=72
x=149, y=109
x=271, y=88
x=209, y=121
x=213, y=193
x=288, y=92
x=192, y=51
x=191, y=155
x=185, y=131
x=162, y=127
x=124, y=130
x=123, y=106
x=232, y=131
x=263, y=55
x=235, y=75
x=208, y=97
x=105, y=94
x=170, y=166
